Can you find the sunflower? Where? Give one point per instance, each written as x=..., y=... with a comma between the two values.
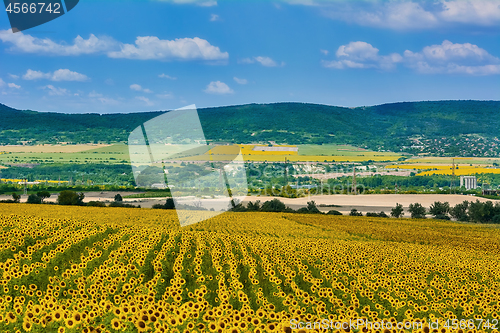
x=27, y=326
x=70, y=323
x=141, y=326
x=115, y=324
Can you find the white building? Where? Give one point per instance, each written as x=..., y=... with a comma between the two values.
x=469, y=182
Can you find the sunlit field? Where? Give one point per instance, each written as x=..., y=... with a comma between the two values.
x=442, y=169
x=83, y=269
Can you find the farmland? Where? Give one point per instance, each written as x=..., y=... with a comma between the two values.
x=69, y=269
x=112, y=154
x=297, y=153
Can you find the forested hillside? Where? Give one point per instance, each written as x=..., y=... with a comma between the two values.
x=397, y=126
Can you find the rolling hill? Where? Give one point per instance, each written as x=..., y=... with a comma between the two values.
x=395, y=126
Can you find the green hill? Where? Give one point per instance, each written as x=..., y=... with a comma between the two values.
x=396, y=126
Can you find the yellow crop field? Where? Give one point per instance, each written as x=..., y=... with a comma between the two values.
x=292, y=158
x=87, y=269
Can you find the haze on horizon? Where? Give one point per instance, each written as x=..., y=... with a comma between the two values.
x=105, y=57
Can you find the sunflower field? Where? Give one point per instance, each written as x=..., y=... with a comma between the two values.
x=90, y=269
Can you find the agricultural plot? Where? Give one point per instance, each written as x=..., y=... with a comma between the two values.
x=300, y=153
x=443, y=169
x=70, y=269
x=64, y=154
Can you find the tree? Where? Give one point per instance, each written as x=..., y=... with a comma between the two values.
x=273, y=206
x=459, y=212
x=70, y=198
x=333, y=212
x=397, y=211
x=34, y=199
x=417, y=211
x=43, y=195
x=253, y=207
x=118, y=197
x=439, y=208
x=16, y=197
x=354, y=212
x=312, y=209
x=170, y=204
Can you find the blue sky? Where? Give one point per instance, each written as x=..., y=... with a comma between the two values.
x=124, y=56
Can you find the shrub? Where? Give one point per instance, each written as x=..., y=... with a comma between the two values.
x=274, y=205
x=333, y=212
x=34, y=199
x=70, y=198
x=96, y=204
x=354, y=212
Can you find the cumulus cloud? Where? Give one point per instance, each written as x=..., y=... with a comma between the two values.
x=14, y=86
x=240, y=81
x=15, y=77
x=137, y=87
x=445, y=58
x=165, y=76
x=264, y=61
x=362, y=55
x=55, y=91
x=146, y=47
x=145, y=100
x=218, y=87
x=451, y=58
x=404, y=14
x=214, y=17
x=151, y=47
x=58, y=75
x=29, y=44
x=2, y=82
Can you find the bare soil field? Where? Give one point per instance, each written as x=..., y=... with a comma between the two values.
x=363, y=203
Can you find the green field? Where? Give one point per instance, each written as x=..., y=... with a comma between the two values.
x=117, y=153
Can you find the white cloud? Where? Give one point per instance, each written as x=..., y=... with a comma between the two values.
x=137, y=87
x=218, y=87
x=15, y=77
x=145, y=100
x=165, y=76
x=450, y=58
x=240, y=81
x=94, y=94
x=58, y=75
x=264, y=61
x=108, y=101
x=445, y=58
x=109, y=82
x=362, y=55
x=2, y=83
x=29, y=44
x=151, y=47
x=476, y=12
x=405, y=14
x=214, y=17
x=54, y=91
x=165, y=95
x=14, y=86
x=325, y=52
x=67, y=75
x=147, y=47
